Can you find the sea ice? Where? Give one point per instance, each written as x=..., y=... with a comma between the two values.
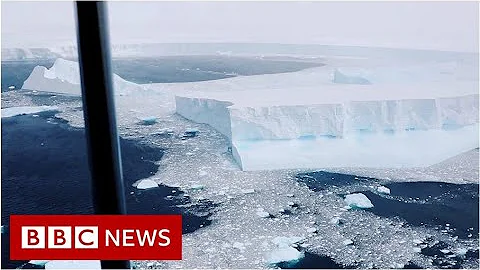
x=13, y=111
x=73, y=264
x=11, y=87
x=358, y=200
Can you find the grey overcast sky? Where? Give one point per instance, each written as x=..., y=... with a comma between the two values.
x=428, y=25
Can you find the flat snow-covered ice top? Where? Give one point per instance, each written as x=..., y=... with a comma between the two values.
x=317, y=86
x=330, y=93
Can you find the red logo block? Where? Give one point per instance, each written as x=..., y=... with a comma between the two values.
x=95, y=237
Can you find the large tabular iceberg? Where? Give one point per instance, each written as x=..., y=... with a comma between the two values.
x=408, y=116
x=308, y=119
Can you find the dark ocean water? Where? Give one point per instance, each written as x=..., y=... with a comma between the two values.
x=426, y=204
x=45, y=171
x=167, y=69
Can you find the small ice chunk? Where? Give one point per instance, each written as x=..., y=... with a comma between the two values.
x=150, y=120
x=146, y=184
x=38, y=262
x=73, y=264
x=292, y=204
x=417, y=250
x=197, y=187
x=445, y=251
x=417, y=241
x=461, y=251
x=248, y=191
x=11, y=87
x=262, y=213
x=348, y=242
x=202, y=173
x=150, y=264
x=311, y=230
x=190, y=132
x=239, y=245
x=290, y=195
x=336, y=221
x=285, y=254
x=358, y=200
x=384, y=190
x=3, y=229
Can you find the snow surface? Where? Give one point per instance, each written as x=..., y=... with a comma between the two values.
x=358, y=200
x=13, y=111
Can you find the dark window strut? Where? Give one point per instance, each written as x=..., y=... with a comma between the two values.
x=99, y=113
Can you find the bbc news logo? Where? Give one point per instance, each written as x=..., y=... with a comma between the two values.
x=96, y=237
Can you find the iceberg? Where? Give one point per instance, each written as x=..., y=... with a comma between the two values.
x=64, y=77
x=328, y=125
x=413, y=116
x=358, y=200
